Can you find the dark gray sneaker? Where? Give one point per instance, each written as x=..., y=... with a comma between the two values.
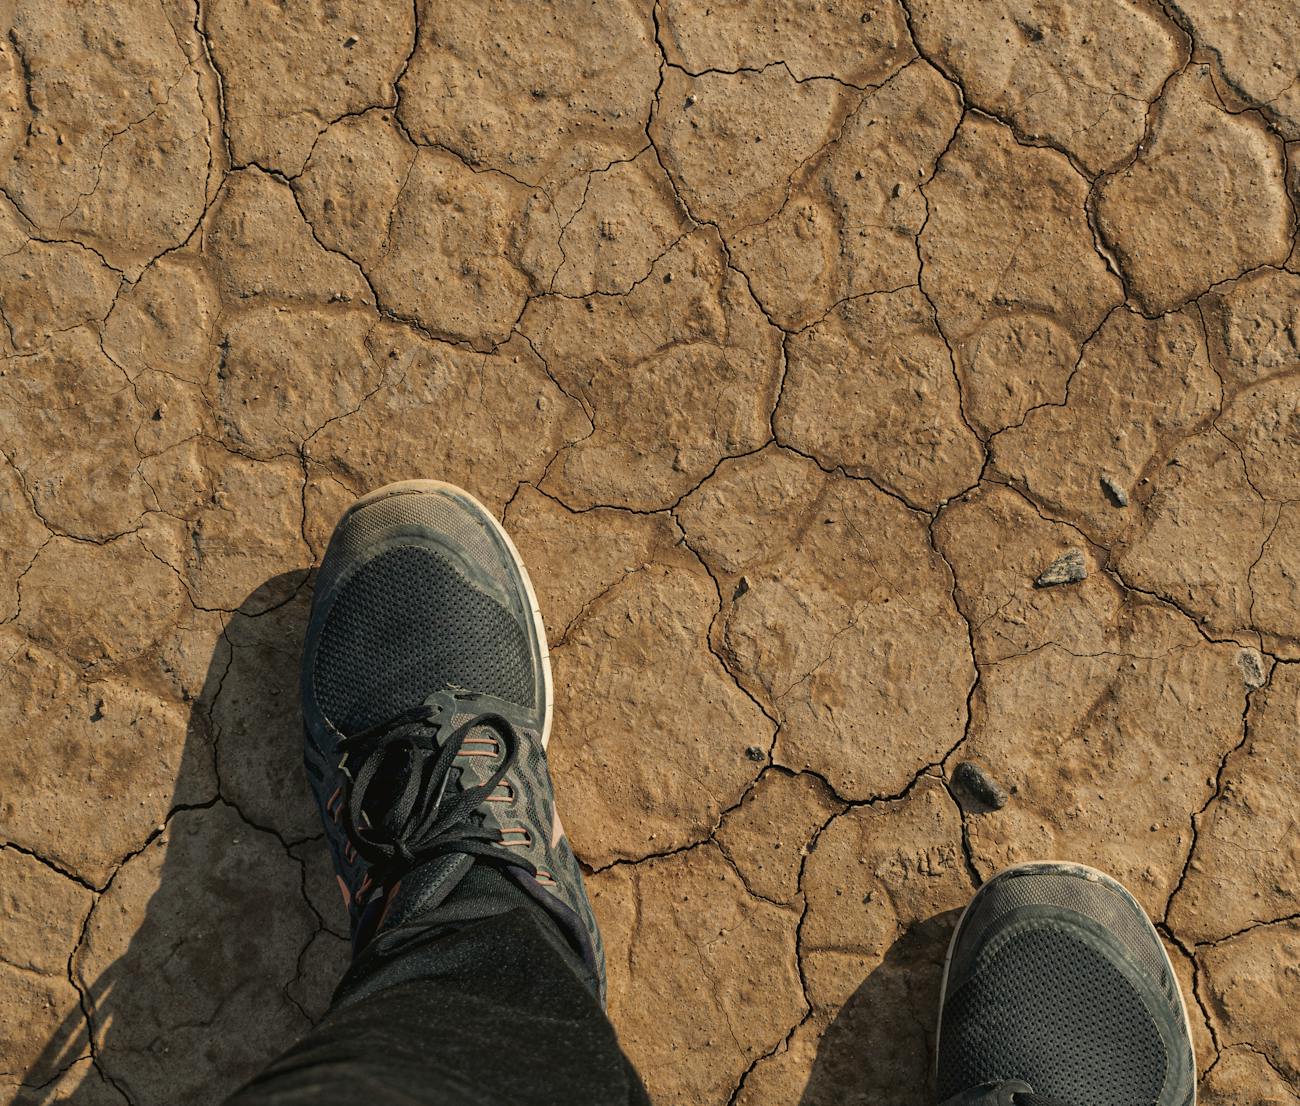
x=426, y=692
x=1058, y=992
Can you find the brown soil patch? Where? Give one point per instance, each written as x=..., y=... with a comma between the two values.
x=794, y=342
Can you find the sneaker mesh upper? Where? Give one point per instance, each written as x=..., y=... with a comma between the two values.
x=1093, y=899
x=1057, y=979
x=1046, y=1007
x=406, y=624
x=438, y=514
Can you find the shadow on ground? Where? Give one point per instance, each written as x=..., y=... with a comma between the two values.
x=218, y=943
x=206, y=954
x=879, y=1048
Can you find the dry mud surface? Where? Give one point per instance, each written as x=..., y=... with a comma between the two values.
x=872, y=388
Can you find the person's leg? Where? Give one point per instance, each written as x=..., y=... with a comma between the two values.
x=479, y=975
x=476, y=1014
x=1058, y=992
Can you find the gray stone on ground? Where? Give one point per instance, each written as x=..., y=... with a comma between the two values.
x=1253, y=672
x=1068, y=568
x=1114, y=490
x=976, y=790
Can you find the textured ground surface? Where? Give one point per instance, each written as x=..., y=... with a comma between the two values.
x=793, y=341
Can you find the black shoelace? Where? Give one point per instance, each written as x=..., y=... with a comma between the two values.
x=420, y=822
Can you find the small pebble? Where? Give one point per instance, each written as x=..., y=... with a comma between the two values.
x=1252, y=668
x=1068, y=568
x=976, y=789
x=1116, y=494
x=755, y=754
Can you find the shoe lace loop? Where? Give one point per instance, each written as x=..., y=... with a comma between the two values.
x=421, y=821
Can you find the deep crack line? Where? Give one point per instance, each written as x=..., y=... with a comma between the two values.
x=52, y=865
x=1215, y=793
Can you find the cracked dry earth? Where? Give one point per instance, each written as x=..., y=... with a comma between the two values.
x=793, y=342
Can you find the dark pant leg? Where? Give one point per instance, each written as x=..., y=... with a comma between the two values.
x=487, y=1011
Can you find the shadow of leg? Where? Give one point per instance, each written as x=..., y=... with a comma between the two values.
x=218, y=941
x=879, y=1048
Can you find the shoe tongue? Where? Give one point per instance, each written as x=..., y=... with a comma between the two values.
x=452, y=890
x=451, y=713
x=427, y=887
x=424, y=889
